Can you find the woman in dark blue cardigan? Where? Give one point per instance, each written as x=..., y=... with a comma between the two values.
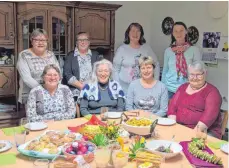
x=78, y=65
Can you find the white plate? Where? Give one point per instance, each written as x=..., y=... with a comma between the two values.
x=166, y=121
x=175, y=147
x=224, y=148
x=36, y=126
x=7, y=147
x=113, y=114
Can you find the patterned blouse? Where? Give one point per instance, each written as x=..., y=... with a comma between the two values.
x=43, y=106
x=85, y=69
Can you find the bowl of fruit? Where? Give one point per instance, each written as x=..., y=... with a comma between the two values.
x=83, y=148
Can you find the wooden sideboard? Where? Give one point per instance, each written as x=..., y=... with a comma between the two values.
x=62, y=21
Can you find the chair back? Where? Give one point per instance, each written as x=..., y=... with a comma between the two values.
x=224, y=114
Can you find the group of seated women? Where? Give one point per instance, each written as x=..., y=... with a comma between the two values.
x=90, y=82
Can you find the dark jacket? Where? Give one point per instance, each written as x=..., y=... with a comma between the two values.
x=71, y=66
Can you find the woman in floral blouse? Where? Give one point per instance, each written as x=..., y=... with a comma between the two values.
x=50, y=101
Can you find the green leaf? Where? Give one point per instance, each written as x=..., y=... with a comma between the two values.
x=99, y=140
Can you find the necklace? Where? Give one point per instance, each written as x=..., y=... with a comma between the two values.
x=197, y=88
x=105, y=88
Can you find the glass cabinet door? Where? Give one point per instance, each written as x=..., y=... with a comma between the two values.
x=59, y=37
x=59, y=40
x=27, y=28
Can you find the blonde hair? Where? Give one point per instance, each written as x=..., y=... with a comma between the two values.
x=146, y=60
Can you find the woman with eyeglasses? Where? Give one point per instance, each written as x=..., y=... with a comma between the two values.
x=147, y=93
x=126, y=68
x=78, y=64
x=176, y=58
x=31, y=63
x=50, y=100
x=197, y=103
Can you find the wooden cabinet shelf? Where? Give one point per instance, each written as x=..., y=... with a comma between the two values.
x=7, y=22
x=62, y=21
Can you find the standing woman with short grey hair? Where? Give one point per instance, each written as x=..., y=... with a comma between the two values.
x=31, y=63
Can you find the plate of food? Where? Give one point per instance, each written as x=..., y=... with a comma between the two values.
x=48, y=145
x=166, y=121
x=138, y=125
x=224, y=148
x=36, y=126
x=168, y=149
x=113, y=115
x=5, y=145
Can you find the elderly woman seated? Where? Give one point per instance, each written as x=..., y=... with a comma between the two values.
x=50, y=101
x=197, y=103
x=147, y=93
x=101, y=91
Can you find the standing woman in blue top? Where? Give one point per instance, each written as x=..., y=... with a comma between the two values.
x=177, y=57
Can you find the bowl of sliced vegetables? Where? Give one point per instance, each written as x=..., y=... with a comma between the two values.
x=168, y=149
x=138, y=125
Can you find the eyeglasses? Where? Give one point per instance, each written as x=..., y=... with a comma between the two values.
x=40, y=40
x=198, y=76
x=83, y=40
x=52, y=75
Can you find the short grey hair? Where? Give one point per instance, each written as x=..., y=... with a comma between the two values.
x=37, y=32
x=95, y=68
x=199, y=66
x=47, y=68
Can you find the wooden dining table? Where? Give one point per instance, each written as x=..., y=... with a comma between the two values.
x=181, y=133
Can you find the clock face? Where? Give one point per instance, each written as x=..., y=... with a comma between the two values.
x=193, y=35
x=167, y=25
x=217, y=9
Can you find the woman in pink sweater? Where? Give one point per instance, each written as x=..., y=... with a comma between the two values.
x=197, y=102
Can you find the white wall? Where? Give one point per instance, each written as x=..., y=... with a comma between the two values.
x=193, y=14
x=151, y=14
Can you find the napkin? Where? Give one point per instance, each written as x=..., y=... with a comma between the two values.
x=196, y=161
x=10, y=131
x=216, y=145
x=7, y=159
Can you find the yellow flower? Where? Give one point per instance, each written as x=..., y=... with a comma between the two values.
x=110, y=128
x=125, y=149
x=120, y=141
x=142, y=140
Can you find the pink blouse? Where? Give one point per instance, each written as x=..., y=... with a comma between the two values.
x=202, y=106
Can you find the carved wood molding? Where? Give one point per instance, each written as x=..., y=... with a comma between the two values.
x=80, y=4
x=95, y=5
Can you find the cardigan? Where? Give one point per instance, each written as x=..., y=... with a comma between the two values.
x=71, y=67
x=169, y=73
x=30, y=68
x=201, y=106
